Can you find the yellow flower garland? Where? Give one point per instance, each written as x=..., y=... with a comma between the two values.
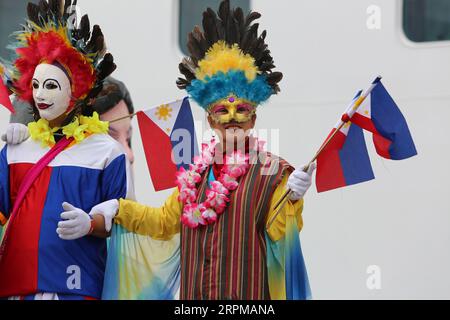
x=80, y=128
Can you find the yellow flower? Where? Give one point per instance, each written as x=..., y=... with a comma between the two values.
x=78, y=129
x=75, y=130
x=41, y=131
x=94, y=124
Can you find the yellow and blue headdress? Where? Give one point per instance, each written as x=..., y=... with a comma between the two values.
x=228, y=58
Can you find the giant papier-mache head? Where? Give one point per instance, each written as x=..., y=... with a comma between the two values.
x=228, y=61
x=54, y=53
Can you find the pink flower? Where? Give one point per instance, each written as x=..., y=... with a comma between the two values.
x=218, y=187
x=187, y=195
x=229, y=181
x=199, y=166
x=192, y=216
x=216, y=197
x=209, y=215
x=187, y=178
x=234, y=171
x=208, y=151
x=237, y=158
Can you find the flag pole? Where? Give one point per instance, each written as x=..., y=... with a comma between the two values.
x=123, y=118
x=351, y=110
x=129, y=116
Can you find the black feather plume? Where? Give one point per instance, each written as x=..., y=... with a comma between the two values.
x=231, y=26
x=33, y=13
x=84, y=31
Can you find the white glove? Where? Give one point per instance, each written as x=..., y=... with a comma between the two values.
x=108, y=210
x=300, y=181
x=16, y=133
x=77, y=223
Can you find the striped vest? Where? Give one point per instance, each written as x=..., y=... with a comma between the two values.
x=227, y=259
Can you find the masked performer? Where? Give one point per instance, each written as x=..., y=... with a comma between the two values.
x=224, y=203
x=68, y=165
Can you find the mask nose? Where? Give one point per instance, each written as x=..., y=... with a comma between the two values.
x=232, y=112
x=39, y=94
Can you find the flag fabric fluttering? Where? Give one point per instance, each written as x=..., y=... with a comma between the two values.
x=169, y=141
x=345, y=160
x=380, y=115
x=4, y=97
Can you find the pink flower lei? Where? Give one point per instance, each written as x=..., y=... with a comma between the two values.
x=217, y=197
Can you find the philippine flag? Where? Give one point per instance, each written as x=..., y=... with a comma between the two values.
x=345, y=160
x=380, y=115
x=169, y=141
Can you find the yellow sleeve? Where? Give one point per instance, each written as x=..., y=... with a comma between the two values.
x=159, y=223
x=278, y=228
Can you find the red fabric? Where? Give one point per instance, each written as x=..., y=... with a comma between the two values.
x=158, y=153
x=4, y=97
x=382, y=144
x=22, y=246
x=330, y=174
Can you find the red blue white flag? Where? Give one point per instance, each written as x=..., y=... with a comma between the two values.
x=345, y=160
x=380, y=115
x=169, y=140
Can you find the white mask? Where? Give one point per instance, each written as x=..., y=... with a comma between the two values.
x=51, y=91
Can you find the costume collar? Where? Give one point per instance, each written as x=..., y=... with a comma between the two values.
x=80, y=128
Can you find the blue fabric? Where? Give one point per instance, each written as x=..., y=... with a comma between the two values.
x=211, y=177
x=355, y=160
x=184, y=130
x=297, y=283
x=140, y=268
x=221, y=85
x=5, y=205
x=285, y=263
x=88, y=254
x=391, y=124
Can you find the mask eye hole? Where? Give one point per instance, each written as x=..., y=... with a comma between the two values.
x=244, y=108
x=220, y=109
x=51, y=85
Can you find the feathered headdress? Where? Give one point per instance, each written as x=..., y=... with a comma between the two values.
x=50, y=36
x=228, y=57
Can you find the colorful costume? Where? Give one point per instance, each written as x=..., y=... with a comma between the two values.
x=35, y=258
x=229, y=250
x=90, y=168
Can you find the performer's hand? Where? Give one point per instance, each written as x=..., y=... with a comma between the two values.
x=108, y=210
x=16, y=133
x=300, y=181
x=77, y=223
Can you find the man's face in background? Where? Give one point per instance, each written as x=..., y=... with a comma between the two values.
x=120, y=130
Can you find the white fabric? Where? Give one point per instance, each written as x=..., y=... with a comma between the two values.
x=39, y=296
x=300, y=181
x=16, y=133
x=52, y=87
x=80, y=155
x=76, y=225
x=108, y=210
x=165, y=116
